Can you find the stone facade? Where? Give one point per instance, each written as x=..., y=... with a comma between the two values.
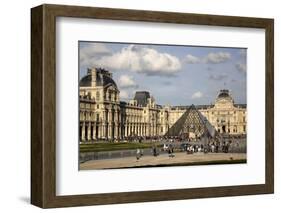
x=104, y=117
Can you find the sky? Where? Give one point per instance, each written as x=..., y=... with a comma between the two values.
x=174, y=75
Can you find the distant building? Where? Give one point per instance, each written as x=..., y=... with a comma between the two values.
x=104, y=117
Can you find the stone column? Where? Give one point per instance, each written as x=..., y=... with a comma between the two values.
x=94, y=131
x=112, y=122
x=116, y=131
x=100, y=130
x=120, y=126
x=83, y=132
x=89, y=131
x=104, y=130
x=108, y=123
x=105, y=123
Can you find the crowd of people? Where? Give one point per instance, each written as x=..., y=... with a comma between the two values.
x=213, y=145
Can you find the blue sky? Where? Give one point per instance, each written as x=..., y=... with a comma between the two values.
x=174, y=75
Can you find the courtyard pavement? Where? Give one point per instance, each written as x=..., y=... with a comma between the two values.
x=164, y=160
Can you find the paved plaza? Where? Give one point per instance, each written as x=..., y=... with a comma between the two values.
x=164, y=160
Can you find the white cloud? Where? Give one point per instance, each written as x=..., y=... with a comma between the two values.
x=197, y=95
x=211, y=58
x=141, y=59
x=90, y=52
x=190, y=59
x=241, y=67
x=126, y=81
x=218, y=57
x=124, y=94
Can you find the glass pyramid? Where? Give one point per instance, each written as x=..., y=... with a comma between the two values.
x=192, y=122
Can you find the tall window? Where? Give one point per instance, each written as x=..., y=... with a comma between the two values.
x=106, y=115
x=109, y=95
x=98, y=96
x=115, y=96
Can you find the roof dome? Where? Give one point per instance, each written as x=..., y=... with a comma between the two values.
x=224, y=94
x=103, y=78
x=224, y=99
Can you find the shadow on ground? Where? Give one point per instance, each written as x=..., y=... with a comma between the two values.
x=24, y=199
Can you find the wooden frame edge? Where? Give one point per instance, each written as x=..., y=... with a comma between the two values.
x=36, y=106
x=269, y=105
x=43, y=106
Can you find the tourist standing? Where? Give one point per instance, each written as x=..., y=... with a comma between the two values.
x=213, y=147
x=154, y=151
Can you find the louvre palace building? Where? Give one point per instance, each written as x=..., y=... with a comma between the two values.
x=104, y=117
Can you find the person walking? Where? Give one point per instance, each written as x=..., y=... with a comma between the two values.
x=217, y=147
x=138, y=154
x=170, y=151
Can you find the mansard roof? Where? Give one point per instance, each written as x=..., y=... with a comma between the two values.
x=142, y=98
